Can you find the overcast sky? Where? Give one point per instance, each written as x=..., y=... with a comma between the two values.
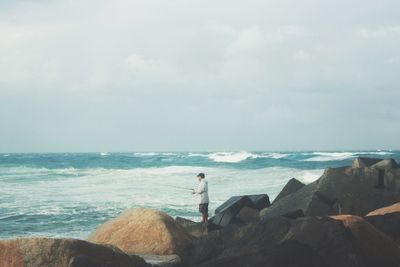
x=184, y=75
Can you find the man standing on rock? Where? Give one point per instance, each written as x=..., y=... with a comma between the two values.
x=202, y=191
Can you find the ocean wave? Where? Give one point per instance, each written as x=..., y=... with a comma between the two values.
x=272, y=155
x=230, y=157
x=104, y=154
x=198, y=155
x=332, y=156
x=146, y=154
x=382, y=153
x=169, y=154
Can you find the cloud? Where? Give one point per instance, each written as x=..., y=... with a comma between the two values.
x=381, y=32
x=254, y=74
x=302, y=55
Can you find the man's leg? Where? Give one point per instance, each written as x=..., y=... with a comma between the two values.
x=204, y=217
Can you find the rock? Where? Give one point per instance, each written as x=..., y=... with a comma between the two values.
x=144, y=231
x=387, y=220
x=226, y=213
x=248, y=215
x=234, y=204
x=357, y=191
x=277, y=242
x=385, y=210
x=196, y=229
x=294, y=214
x=377, y=248
x=291, y=187
x=386, y=164
x=345, y=190
x=221, y=220
x=305, y=199
x=39, y=252
x=162, y=260
x=391, y=179
x=328, y=238
x=260, y=201
x=276, y=255
x=362, y=162
x=211, y=249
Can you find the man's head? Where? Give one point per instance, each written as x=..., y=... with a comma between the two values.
x=200, y=176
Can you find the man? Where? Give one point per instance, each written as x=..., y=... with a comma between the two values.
x=202, y=192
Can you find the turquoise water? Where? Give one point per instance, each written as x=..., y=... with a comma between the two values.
x=70, y=194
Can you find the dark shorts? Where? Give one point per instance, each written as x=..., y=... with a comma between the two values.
x=203, y=208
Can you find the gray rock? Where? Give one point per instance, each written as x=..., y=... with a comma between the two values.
x=248, y=215
x=162, y=260
x=386, y=164
x=345, y=190
x=279, y=242
x=362, y=162
x=226, y=213
x=291, y=187
x=196, y=229
x=305, y=199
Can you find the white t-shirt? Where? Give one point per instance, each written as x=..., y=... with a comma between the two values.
x=202, y=191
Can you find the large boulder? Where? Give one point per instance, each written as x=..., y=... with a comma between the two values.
x=39, y=252
x=362, y=162
x=248, y=215
x=306, y=201
x=226, y=213
x=144, y=231
x=385, y=210
x=292, y=186
x=279, y=242
x=196, y=229
x=367, y=185
x=387, y=220
x=377, y=248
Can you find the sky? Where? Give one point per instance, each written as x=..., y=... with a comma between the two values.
x=191, y=75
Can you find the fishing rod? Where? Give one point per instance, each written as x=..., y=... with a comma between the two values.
x=179, y=187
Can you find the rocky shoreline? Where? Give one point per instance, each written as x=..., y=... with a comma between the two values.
x=349, y=217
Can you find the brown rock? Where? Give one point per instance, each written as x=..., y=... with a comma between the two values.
x=39, y=252
x=377, y=248
x=144, y=231
x=387, y=220
x=385, y=210
x=10, y=255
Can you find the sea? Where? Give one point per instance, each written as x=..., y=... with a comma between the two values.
x=71, y=194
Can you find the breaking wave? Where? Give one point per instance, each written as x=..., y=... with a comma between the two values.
x=335, y=156
x=230, y=157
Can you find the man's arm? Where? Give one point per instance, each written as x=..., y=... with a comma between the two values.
x=200, y=189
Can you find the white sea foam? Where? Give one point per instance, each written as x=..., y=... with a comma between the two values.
x=146, y=154
x=272, y=155
x=104, y=154
x=108, y=191
x=198, y=155
x=169, y=154
x=376, y=153
x=331, y=156
x=230, y=157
